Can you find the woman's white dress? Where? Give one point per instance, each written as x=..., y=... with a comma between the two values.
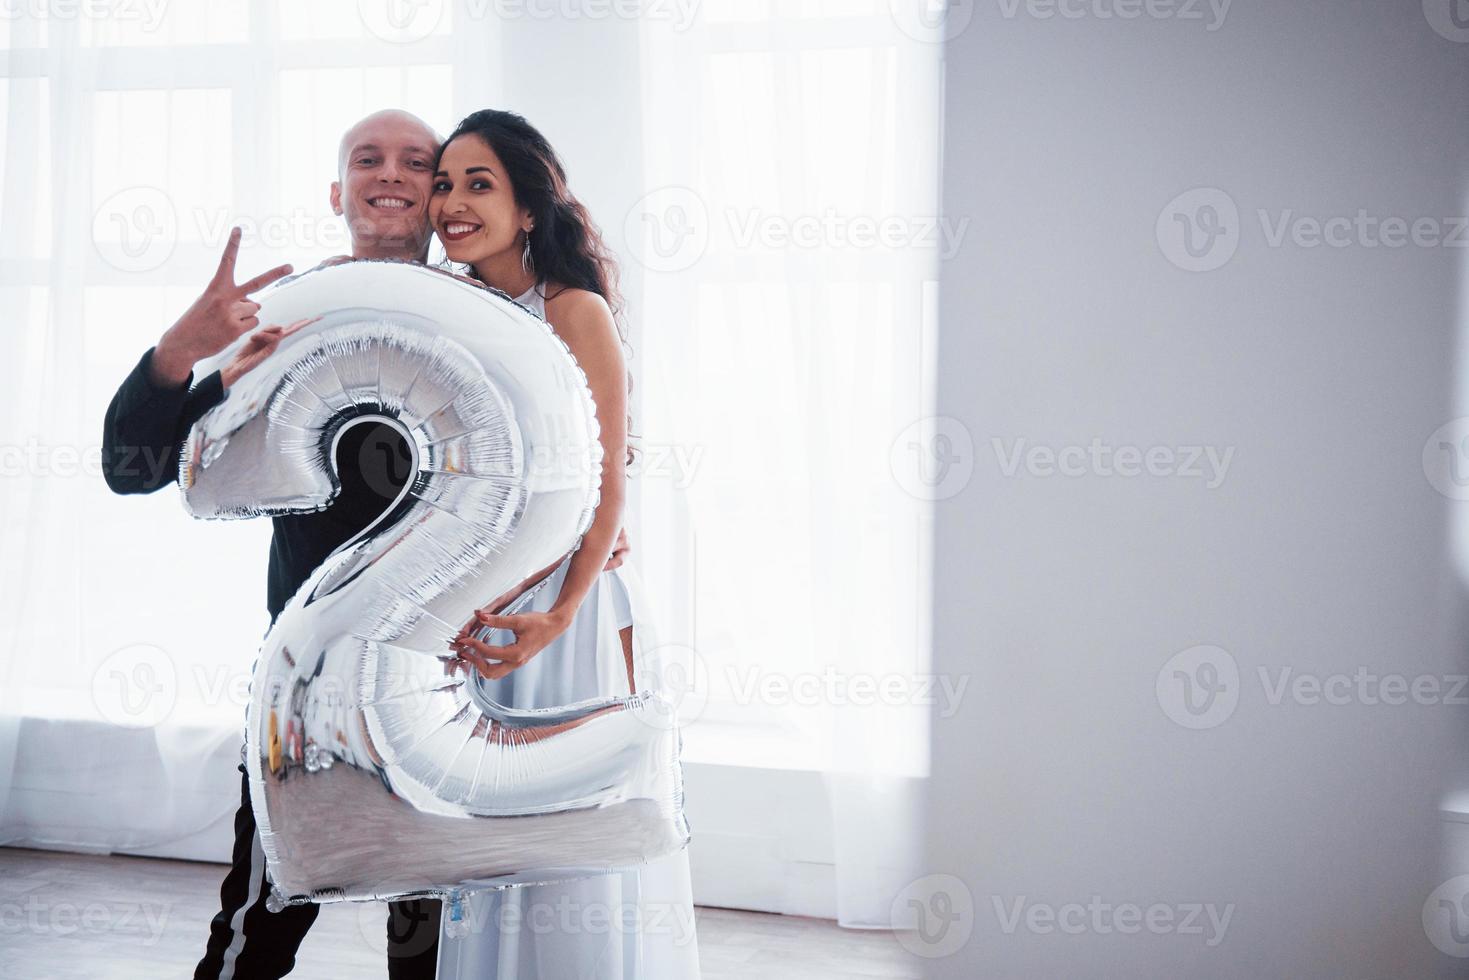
x=632, y=925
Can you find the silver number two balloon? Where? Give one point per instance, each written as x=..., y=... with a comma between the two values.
x=375, y=770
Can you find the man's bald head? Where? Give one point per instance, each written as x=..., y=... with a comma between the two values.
x=394, y=120
x=385, y=166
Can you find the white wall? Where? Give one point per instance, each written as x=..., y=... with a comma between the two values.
x=1323, y=550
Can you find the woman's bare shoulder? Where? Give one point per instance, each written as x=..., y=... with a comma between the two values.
x=581, y=304
x=579, y=313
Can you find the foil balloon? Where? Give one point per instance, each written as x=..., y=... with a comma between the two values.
x=376, y=771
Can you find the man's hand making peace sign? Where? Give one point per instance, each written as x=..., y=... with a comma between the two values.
x=218, y=317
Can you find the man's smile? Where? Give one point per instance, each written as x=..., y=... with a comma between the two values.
x=390, y=202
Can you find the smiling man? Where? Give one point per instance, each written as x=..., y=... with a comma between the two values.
x=385, y=173
x=384, y=177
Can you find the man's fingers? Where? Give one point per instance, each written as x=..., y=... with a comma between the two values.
x=225, y=274
x=265, y=279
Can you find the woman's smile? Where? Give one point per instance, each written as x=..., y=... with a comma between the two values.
x=457, y=229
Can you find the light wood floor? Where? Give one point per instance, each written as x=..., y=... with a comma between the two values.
x=123, y=918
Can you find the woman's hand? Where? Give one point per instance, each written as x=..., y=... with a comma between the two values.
x=253, y=352
x=620, y=548
x=534, y=631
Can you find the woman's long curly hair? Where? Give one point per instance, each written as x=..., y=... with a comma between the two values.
x=566, y=247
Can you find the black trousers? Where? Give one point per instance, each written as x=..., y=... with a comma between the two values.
x=249, y=942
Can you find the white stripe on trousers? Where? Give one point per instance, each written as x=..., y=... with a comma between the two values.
x=237, y=922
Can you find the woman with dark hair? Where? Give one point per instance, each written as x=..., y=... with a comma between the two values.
x=501, y=206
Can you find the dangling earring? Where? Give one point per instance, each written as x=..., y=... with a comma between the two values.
x=527, y=263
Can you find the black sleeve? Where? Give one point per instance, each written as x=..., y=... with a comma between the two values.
x=146, y=426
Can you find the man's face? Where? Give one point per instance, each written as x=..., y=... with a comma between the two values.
x=386, y=167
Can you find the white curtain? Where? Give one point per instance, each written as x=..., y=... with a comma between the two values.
x=132, y=146
x=768, y=174
x=789, y=239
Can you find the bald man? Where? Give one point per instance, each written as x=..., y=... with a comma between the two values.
x=384, y=177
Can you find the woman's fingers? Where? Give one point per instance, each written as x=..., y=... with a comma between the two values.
x=300, y=325
x=489, y=668
x=479, y=660
x=506, y=654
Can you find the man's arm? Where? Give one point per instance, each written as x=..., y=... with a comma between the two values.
x=146, y=426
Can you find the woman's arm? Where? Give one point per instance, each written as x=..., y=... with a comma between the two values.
x=588, y=329
x=584, y=321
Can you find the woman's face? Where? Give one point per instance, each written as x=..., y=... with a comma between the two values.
x=472, y=207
